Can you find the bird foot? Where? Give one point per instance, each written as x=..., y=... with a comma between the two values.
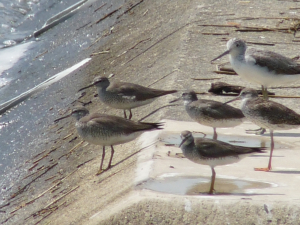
x=99, y=172
x=211, y=192
x=259, y=131
x=262, y=169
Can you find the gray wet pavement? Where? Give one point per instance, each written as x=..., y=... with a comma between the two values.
x=162, y=44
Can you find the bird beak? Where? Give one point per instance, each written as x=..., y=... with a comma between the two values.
x=175, y=100
x=55, y=121
x=220, y=56
x=91, y=85
x=232, y=100
x=183, y=140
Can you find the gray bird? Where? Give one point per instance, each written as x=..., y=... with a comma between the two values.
x=267, y=114
x=211, y=113
x=107, y=130
x=126, y=96
x=213, y=152
x=261, y=67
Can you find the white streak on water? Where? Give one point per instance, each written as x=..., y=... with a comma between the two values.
x=9, y=56
x=9, y=104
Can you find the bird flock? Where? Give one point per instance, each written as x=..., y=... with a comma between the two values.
x=265, y=68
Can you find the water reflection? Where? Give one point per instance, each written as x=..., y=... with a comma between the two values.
x=189, y=185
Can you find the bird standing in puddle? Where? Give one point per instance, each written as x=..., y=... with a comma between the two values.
x=213, y=152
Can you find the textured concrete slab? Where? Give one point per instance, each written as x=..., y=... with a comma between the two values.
x=162, y=173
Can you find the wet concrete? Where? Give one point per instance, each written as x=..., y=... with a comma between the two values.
x=199, y=185
x=150, y=45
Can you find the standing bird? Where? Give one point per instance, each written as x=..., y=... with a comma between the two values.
x=267, y=114
x=261, y=67
x=105, y=130
x=213, y=152
x=211, y=113
x=126, y=96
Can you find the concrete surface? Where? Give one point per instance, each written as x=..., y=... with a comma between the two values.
x=163, y=44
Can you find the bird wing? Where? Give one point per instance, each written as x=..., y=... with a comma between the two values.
x=137, y=92
x=273, y=112
x=216, y=149
x=217, y=110
x=118, y=124
x=274, y=62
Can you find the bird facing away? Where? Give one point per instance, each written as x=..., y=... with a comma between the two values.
x=126, y=96
x=107, y=130
x=261, y=67
x=211, y=113
x=267, y=114
x=213, y=152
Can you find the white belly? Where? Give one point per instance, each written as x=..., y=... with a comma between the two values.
x=260, y=75
x=221, y=161
x=220, y=123
x=106, y=141
x=129, y=104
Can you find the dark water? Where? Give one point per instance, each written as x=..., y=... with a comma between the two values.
x=27, y=61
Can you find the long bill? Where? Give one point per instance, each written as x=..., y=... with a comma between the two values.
x=220, y=56
x=55, y=121
x=232, y=100
x=175, y=100
x=183, y=140
x=91, y=85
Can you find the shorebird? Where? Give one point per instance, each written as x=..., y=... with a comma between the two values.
x=267, y=114
x=126, y=96
x=107, y=130
x=213, y=152
x=265, y=68
x=211, y=113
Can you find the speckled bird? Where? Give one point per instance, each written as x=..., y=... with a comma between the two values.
x=107, y=130
x=211, y=113
x=267, y=114
x=126, y=96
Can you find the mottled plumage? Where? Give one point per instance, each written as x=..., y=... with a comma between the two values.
x=107, y=130
x=211, y=113
x=213, y=152
x=265, y=68
x=126, y=96
x=267, y=114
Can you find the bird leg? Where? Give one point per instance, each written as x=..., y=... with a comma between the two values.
x=215, y=134
x=130, y=115
x=101, y=164
x=261, y=130
x=270, y=158
x=125, y=116
x=111, y=156
x=265, y=92
x=212, y=183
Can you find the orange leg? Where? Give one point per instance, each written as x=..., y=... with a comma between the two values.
x=270, y=158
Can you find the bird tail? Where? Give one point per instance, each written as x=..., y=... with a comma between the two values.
x=151, y=126
x=259, y=149
x=159, y=93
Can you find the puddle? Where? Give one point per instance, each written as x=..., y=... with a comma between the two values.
x=189, y=185
x=251, y=141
